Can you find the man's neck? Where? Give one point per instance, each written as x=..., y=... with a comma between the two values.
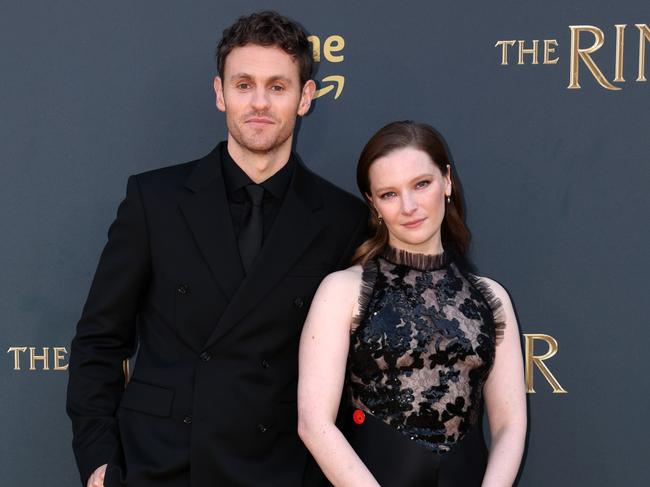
x=259, y=166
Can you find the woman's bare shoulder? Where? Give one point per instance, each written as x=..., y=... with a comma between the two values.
x=496, y=289
x=344, y=278
x=341, y=285
x=343, y=281
x=501, y=304
x=336, y=298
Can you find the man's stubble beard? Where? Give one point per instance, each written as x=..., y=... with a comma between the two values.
x=257, y=142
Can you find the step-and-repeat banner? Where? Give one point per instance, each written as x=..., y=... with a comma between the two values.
x=545, y=107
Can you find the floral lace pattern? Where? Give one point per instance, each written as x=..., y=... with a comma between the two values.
x=423, y=346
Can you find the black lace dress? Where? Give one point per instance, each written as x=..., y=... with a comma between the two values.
x=421, y=349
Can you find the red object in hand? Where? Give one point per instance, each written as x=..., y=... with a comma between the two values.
x=358, y=416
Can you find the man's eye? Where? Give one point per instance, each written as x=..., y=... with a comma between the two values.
x=277, y=88
x=423, y=184
x=243, y=86
x=387, y=195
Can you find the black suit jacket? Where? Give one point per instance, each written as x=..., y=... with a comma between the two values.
x=212, y=399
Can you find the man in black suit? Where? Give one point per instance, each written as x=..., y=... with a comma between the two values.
x=209, y=270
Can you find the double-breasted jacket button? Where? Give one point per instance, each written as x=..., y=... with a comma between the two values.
x=298, y=302
x=205, y=356
x=187, y=420
x=262, y=428
x=265, y=364
x=183, y=289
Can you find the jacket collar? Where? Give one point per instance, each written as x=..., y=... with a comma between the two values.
x=206, y=210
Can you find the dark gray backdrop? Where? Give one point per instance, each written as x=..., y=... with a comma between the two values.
x=555, y=181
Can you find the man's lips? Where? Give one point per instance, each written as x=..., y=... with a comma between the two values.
x=413, y=223
x=260, y=120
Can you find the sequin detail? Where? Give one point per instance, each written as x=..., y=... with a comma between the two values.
x=422, y=346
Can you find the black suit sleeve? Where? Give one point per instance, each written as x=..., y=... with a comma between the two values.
x=359, y=234
x=106, y=335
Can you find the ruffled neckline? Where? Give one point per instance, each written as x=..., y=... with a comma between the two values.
x=421, y=262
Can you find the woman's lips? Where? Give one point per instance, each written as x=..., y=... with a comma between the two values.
x=413, y=223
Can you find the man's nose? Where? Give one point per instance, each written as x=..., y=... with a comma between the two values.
x=260, y=99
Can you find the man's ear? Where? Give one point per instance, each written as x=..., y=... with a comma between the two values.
x=218, y=91
x=306, y=97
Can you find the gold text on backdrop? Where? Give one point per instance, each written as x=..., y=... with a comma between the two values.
x=579, y=53
x=55, y=359
x=331, y=51
x=538, y=361
x=332, y=45
x=58, y=355
x=548, y=51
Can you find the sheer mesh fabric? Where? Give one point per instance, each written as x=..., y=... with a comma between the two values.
x=422, y=346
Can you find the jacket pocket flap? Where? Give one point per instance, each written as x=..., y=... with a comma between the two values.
x=147, y=398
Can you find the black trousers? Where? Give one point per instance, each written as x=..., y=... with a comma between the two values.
x=397, y=461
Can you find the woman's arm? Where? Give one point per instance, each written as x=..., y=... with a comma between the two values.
x=322, y=361
x=505, y=400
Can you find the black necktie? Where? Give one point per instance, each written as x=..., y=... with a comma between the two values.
x=250, y=236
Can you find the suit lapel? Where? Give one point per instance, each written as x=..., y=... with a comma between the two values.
x=296, y=225
x=207, y=213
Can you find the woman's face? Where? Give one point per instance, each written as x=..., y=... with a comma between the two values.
x=408, y=191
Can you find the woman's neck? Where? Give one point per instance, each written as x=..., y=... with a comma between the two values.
x=431, y=247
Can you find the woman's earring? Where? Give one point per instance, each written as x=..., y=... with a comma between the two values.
x=448, y=199
x=380, y=219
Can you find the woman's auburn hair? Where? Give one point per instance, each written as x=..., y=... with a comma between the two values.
x=400, y=135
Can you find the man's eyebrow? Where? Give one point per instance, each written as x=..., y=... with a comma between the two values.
x=272, y=79
x=280, y=78
x=240, y=75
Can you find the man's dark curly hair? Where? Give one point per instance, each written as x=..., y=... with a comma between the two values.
x=268, y=28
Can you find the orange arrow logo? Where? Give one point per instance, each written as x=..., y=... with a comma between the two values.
x=337, y=80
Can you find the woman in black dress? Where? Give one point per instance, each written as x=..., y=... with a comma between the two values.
x=413, y=341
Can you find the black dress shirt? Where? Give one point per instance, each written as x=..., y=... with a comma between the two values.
x=275, y=189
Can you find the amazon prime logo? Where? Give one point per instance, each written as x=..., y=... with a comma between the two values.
x=330, y=50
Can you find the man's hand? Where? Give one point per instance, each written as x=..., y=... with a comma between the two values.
x=97, y=478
